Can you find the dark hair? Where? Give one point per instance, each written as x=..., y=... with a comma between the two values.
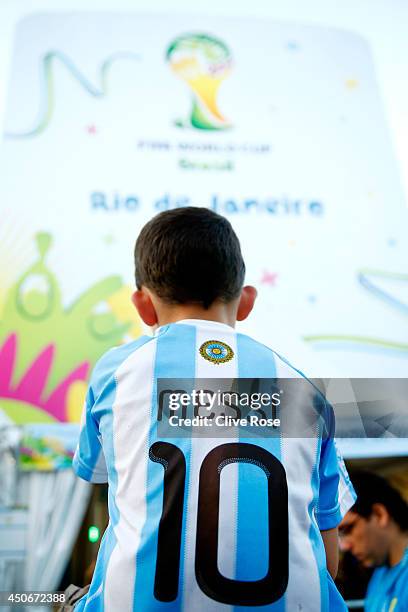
x=372, y=489
x=189, y=255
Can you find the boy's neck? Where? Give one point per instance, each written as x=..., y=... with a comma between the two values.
x=218, y=312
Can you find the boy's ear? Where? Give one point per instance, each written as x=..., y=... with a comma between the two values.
x=144, y=306
x=246, y=302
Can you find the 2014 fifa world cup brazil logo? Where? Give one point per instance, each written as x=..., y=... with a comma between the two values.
x=203, y=62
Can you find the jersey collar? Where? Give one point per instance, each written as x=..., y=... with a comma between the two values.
x=203, y=323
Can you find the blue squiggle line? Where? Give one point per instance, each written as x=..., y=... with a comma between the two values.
x=47, y=86
x=378, y=292
x=369, y=342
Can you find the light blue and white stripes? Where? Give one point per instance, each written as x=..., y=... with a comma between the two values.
x=119, y=427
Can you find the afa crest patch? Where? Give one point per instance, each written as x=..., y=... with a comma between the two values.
x=216, y=351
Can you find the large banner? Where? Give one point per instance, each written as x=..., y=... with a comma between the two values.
x=112, y=118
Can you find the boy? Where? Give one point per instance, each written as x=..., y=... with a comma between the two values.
x=203, y=523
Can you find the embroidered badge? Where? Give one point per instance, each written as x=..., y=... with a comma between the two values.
x=216, y=351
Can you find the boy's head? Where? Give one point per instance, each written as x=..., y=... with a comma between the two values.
x=188, y=258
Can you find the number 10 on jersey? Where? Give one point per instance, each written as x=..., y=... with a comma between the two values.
x=225, y=590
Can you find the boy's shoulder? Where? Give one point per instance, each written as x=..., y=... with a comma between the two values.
x=107, y=365
x=284, y=369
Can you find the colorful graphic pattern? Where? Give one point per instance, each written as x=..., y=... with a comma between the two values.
x=47, y=351
x=47, y=447
x=203, y=62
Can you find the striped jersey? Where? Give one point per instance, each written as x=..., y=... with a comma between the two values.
x=205, y=523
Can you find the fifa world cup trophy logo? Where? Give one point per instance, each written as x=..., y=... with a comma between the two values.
x=203, y=62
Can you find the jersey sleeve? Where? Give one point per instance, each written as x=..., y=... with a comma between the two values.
x=336, y=493
x=89, y=461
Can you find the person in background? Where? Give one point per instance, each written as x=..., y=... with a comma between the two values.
x=375, y=531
